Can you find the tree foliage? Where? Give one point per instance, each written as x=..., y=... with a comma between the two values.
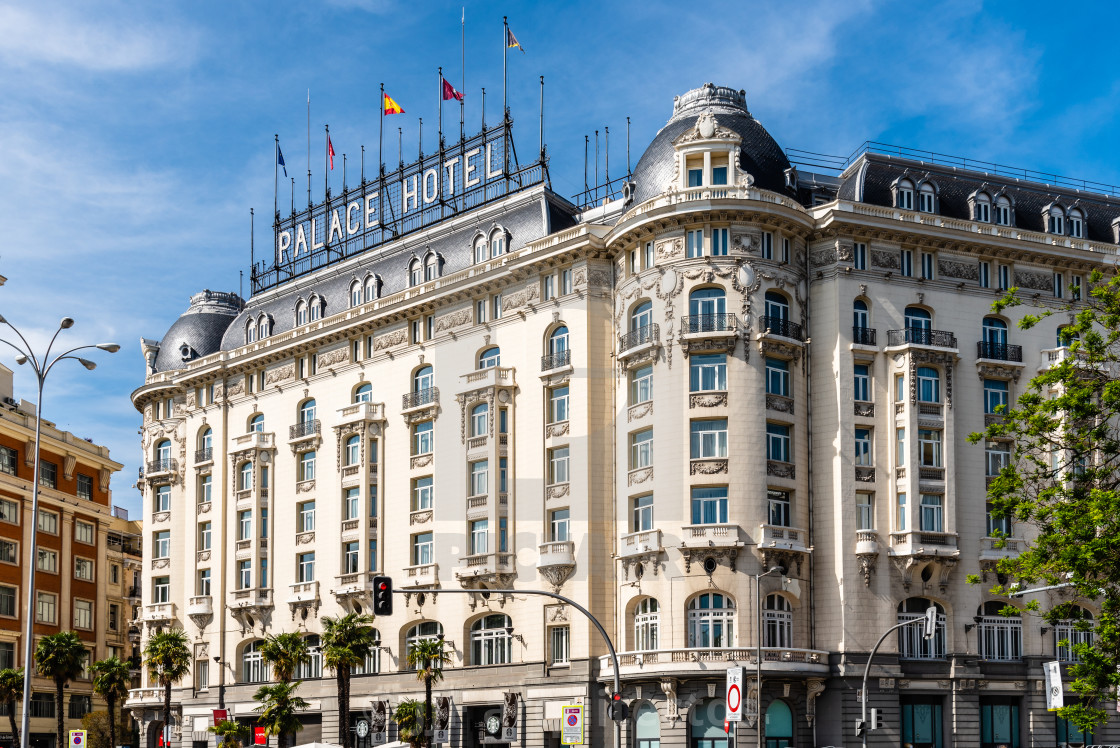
x=96, y=725
x=60, y=657
x=346, y=643
x=111, y=681
x=409, y=716
x=1064, y=482
x=285, y=653
x=168, y=656
x=279, y=707
x=11, y=691
x=233, y=734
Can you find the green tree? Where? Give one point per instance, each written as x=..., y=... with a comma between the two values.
x=346, y=643
x=285, y=653
x=233, y=734
x=111, y=679
x=1064, y=481
x=428, y=658
x=409, y=716
x=11, y=691
x=62, y=658
x=168, y=656
x=96, y=725
x=279, y=708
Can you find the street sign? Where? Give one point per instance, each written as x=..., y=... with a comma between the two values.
x=260, y=737
x=733, y=696
x=439, y=737
x=77, y=739
x=571, y=725
x=1054, y=697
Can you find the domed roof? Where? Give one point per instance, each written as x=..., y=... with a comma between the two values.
x=761, y=156
x=198, y=332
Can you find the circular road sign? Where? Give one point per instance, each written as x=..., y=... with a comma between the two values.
x=734, y=698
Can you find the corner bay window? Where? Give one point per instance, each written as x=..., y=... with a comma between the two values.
x=778, y=507
x=709, y=505
x=778, y=442
x=708, y=439
x=707, y=372
x=641, y=384
x=711, y=621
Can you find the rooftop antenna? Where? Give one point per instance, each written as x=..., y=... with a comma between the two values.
x=542, y=119
x=252, y=253
x=628, y=172
x=586, y=189
x=607, y=176
x=596, y=165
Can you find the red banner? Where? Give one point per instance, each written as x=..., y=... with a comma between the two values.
x=220, y=715
x=259, y=736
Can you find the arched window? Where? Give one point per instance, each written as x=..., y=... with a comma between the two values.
x=353, y=450
x=491, y=644
x=927, y=198
x=1003, y=210
x=929, y=385
x=647, y=726
x=479, y=416
x=245, y=476
x=497, y=243
x=994, y=331
x=163, y=450
x=912, y=644
x=481, y=250
x=779, y=724
x=301, y=312
x=707, y=302
x=641, y=317
x=316, y=308
x=307, y=411
x=705, y=725
x=1055, y=220
x=251, y=332
x=918, y=319
x=904, y=194
x=777, y=306
x=263, y=326
x=253, y=667
x=364, y=393
x=256, y=423
x=1069, y=632
x=355, y=294
x=558, y=340
x=490, y=358
x=982, y=207
x=999, y=637
x=1076, y=224
x=373, y=288
x=312, y=667
x=423, y=379
x=647, y=625
x=711, y=621
x=415, y=272
x=206, y=442
x=861, y=316
x=431, y=267
x=777, y=622
x=422, y=632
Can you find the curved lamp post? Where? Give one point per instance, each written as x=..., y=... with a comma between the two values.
x=41, y=366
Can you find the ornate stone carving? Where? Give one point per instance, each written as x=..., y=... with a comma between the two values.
x=556, y=575
x=670, y=249
x=454, y=320
x=822, y=257
x=780, y=469
x=420, y=517
x=390, y=339
x=865, y=474
x=557, y=490
x=945, y=360
x=867, y=563
x=779, y=403
x=203, y=507
x=745, y=243
x=640, y=475
x=160, y=517
x=865, y=410
x=280, y=374
x=421, y=461
x=597, y=278
x=203, y=556
x=955, y=269
x=103, y=476
x=556, y=429
x=331, y=358
x=669, y=688
x=306, y=486
x=1033, y=280
x=995, y=371
x=305, y=538
x=557, y=613
x=719, y=554
x=234, y=388
x=814, y=687
x=707, y=467
x=707, y=400
x=885, y=258
x=639, y=411
x=161, y=563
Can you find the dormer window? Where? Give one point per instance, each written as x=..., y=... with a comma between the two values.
x=927, y=198
x=262, y=328
x=1076, y=224
x=301, y=313
x=373, y=284
x=982, y=208
x=904, y=195
x=1003, y=210
x=316, y=307
x=415, y=272
x=1055, y=220
x=251, y=332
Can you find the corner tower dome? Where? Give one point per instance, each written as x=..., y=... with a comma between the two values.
x=711, y=112
x=198, y=331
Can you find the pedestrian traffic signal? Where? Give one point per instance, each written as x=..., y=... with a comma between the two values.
x=929, y=628
x=617, y=709
x=382, y=596
x=876, y=720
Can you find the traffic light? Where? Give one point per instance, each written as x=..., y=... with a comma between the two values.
x=617, y=709
x=876, y=720
x=382, y=596
x=930, y=626
x=859, y=727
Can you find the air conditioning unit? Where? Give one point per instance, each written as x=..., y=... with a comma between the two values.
x=10, y=401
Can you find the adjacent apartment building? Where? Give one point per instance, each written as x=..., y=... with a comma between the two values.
x=722, y=405
x=82, y=564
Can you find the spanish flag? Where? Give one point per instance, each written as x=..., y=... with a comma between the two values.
x=390, y=106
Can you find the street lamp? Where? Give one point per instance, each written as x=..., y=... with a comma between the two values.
x=41, y=366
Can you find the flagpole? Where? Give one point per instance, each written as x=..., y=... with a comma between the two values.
x=439, y=102
x=293, y=196
x=344, y=173
x=463, y=80
x=276, y=179
x=363, y=165
x=628, y=147
x=542, y=119
x=505, y=101
x=381, y=161
x=484, y=110
x=309, y=149
x=326, y=165
x=420, y=141
x=607, y=175
x=400, y=153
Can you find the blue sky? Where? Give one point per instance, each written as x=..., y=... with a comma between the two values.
x=135, y=137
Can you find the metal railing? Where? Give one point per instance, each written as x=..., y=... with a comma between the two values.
x=204, y=455
x=863, y=335
x=426, y=396
x=42, y=708
x=922, y=336
x=781, y=326
x=556, y=360
x=645, y=334
x=303, y=428
x=701, y=323
x=999, y=351
x=162, y=466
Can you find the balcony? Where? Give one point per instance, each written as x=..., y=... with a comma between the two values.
x=778, y=537
x=144, y=696
x=863, y=336
x=160, y=468
x=922, y=336
x=865, y=474
x=1055, y=356
x=305, y=435
x=556, y=553
x=999, y=352
x=200, y=605
x=709, y=536
x=994, y=549
x=358, y=412
x=492, y=376
x=424, y=398
x=640, y=343
x=638, y=543
x=921, y=542
x=931, y=473
x=713, y=662
x=781, y=327
x=254, y=440
x=203, y=456
x=359, y=583
x=867, y=541
x=303, y=592
x=557, y=360
x=707, y=333
x=490, y=565
x=158, y=613
x=250, y=598
x=930, y=409
x=421, y=575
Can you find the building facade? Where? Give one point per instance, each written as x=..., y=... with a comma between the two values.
x=80, y=566
x=724, y=409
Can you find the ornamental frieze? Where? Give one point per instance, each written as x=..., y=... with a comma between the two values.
x=670, y=249
x=962, y=270
x=885, y=258
x=390, y=339
x=995, y=371
x=639, y=411
x=707, y=400
x=454, y=320
x=337, y=356
x=280, y=374
x=1034, y=280
x=707, y=467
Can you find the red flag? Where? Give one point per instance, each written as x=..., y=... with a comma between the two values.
x=449, y=92
x=330, y=151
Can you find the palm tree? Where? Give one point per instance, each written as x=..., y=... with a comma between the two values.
x=169, y=659
x=61, y=657
x=232, y=733
x=111, y=679
x=278, y=707
x=285, y=653
x=428, y=657
x=409, y=716
x=346, y=643
x=11, y=691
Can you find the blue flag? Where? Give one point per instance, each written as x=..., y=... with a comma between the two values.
x=280, y=160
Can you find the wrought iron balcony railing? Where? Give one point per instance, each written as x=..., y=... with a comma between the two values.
x=641, y=336
x=426, y=396
x=701, y=323
x=556, y=360
x=304, y=428
x=922, y=336
x=204, y=455
x=999, y=351
x=162, y=466
x=863, y=335
x=781, y=326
